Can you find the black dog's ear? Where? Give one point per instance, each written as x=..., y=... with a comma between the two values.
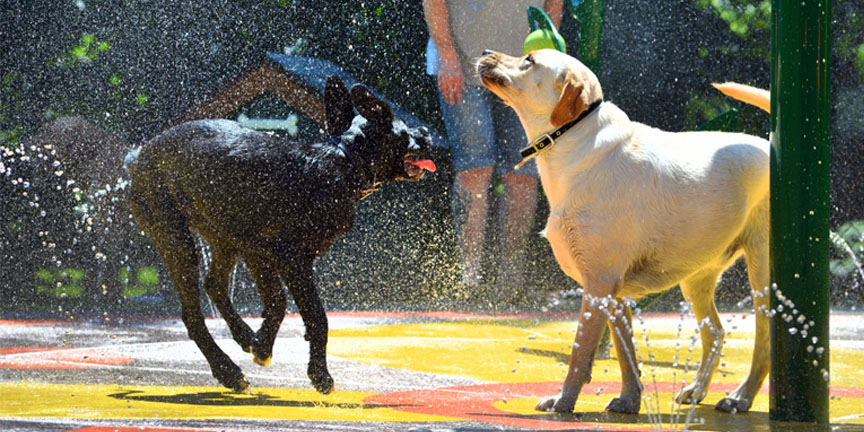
x=337, y=106
x=373, y=109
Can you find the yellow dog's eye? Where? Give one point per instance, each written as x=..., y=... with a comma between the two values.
x=528, y=62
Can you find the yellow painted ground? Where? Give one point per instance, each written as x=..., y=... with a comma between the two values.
x=190, y=403
x=529, y=351
x=495, y=351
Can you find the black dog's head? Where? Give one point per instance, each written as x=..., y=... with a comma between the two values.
x=392, y=149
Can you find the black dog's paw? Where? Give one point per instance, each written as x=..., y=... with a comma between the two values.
x=323, y=384
x=247, y=341
x=261, y=355
x=261, y=361
x=321, y=379
x=231, y=377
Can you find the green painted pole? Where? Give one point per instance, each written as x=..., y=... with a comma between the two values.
x=590, y=16
x=800, y=150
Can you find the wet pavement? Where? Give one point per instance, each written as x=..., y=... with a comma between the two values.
x=416, y=371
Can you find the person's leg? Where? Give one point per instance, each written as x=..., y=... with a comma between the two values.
x=517, y=204
x=470, y=211
x=469, y=130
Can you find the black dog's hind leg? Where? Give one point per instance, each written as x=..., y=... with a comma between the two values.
x=222, y=262
x=274, y=299
x=167, y=227
x=297, y=274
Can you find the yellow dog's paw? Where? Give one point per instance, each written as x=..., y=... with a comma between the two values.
x=732, y=405
x=624, y=405
x=689, y=394
x=559, y=404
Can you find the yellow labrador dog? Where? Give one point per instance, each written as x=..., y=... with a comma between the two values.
x=636, y=210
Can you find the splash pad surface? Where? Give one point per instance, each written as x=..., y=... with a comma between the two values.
x=393, y=371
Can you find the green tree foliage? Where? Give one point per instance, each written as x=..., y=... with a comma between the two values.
x=849, y=240
x=86, y=51
x=751, y=22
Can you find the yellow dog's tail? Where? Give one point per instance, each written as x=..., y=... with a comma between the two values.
x=751, y=95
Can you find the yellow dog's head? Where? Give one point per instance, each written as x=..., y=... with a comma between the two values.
x=543, y=86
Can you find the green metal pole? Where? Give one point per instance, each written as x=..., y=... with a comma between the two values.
x=800, y=150
x=590, y=16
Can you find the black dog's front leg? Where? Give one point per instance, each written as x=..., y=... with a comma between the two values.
x=274, y=299
x=222, y=262
x=297, y=275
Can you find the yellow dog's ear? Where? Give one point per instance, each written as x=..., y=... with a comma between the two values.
x=572, y=101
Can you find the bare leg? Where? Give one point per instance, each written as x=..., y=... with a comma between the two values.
x=516, y=217
x=470, y=210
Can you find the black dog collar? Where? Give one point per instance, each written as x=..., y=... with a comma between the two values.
x=547, y=140
x=356, y=159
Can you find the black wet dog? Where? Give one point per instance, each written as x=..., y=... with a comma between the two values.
x=276, y=204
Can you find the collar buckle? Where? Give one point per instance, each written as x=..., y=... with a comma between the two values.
x=539, y=146
x=542, y=144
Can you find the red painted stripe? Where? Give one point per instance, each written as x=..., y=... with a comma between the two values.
x=29, y=322
x=19, y=350
x=476, y=402
x=143, y=429
x=58, y=358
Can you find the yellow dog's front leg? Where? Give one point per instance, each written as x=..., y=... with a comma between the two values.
x=591, y=323
x=630, y=399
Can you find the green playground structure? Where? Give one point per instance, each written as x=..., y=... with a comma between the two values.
x=800, y=193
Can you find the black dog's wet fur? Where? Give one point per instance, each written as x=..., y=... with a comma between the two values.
x=276, y=204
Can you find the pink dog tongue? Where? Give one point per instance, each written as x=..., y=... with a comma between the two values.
x=426, y=164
